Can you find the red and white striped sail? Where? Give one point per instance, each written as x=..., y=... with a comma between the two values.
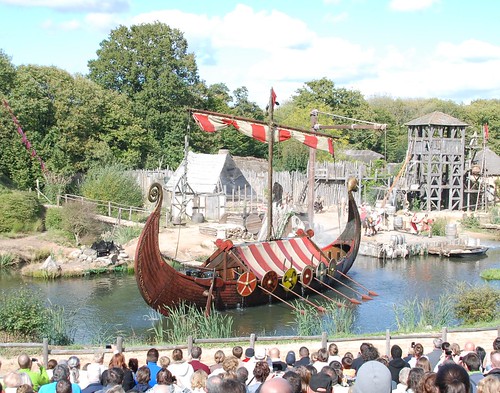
x=211, y=122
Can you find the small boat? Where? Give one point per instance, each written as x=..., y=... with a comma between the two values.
x=458, y=251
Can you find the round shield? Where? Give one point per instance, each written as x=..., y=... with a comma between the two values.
x=321, y=270
x=246, y=284
x=289, y=279
x=270, y=281
x=307, y=275
x=332, y=267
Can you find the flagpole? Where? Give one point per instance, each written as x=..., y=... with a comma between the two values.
x=270, y=143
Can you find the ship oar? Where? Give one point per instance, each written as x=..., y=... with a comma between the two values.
x=322, y=294
x=208, y=306
x=319, y=308
x=282, y=300
x=357, y=283
x=363, y=296
x=354, y=301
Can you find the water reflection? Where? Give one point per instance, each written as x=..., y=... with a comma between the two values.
x=107, y=304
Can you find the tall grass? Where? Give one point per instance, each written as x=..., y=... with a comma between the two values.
x=7, y=261
x=335, y=320
x=186, y=320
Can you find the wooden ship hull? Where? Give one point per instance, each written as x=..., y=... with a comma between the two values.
x=247, y=274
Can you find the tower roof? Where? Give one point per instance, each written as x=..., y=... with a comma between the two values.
x=436, y=119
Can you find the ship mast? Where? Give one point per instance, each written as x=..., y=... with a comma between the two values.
x=272, y=100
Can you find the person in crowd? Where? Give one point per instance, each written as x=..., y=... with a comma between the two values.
x=428, y=383
x=372, y=377
x=12, y=381
x=74, y=369
x=152, y=363
x=363, y=356
x=164, y=361
x=322, y=382
x=111, y=378
x=238, y=352
x=481, y=353
x=304, y=360
x=260, y=373
x=25, y=388
x=143, y=376
x=133, y=365
x=61, y=371
x=93, y=380
x=218, y=358
x=278, y=365
x=472, y=364
x=495, y=364
x=259, y=356
x=199, y=381
x=213, y=383
x=39, y=377
x=402, y=385
x=489, y=384
x=322, y=360
x=418, y=352
x=196, y=360
x=181, y=369
x=290, y=360
x=294, y=380
x=424, y=364
x=63, y=386
x=347, y=369
x=333, y=353
x=447, y=355
x=231, y=386
x=305, y=376
x=118, y=360
x=487, y=360
x=51, y=364
x=452, y=378
x=397, y=363
x=436, y=352
x=276, y=385
x=456, y=352
x=166, y=383
x=249, y=352
x=242, y=375
x=414, y=378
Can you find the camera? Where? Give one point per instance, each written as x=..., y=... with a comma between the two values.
x=413, y=344
x=108, y=346
x=34, y=360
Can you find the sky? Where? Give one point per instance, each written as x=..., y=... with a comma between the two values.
x=446, y=49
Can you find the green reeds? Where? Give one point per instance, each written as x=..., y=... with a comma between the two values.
x=335, y=320
x=7, y=261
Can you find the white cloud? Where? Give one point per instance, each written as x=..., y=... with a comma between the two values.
x=68, y=25
x=108, y=6
x=411, y=5
x=102, y=21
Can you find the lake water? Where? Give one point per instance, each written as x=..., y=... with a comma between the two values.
x=105, y=305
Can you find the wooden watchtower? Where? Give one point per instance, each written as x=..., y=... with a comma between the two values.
x=436, y=168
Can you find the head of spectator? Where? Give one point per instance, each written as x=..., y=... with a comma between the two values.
x=116, y=389
x=98, y=357
x=164, y=361
x=373, y=377
x=332, y=373
x=165, y=377
x=219, y=357
x=63, y=386
x=61, y=371
x=249, y=353
x=403, y=376
x=312, y=369
x=305, y=376
x=143, y=375
x=24, y=362
x=489, y=384
x=112, y=376
x=93, y=374
x=230, y=364
x=481, y=353
x=452, y=377
x=323, y=355
x=152, y=356
x=213, y=384
x=118, y=360
x=424, y=364
x=303, y=352
x=237, y=352
x=455, y=349
x=346, y=362
x=290, y=358
x=74, y=369
x=260, y=354
x=274, y=353
x=414, y=378
x=495, y=359
x=333, y=349
x=428, y=383
x=276, y=385
x=199, y=379
x=294, y=380
x=396, y=352
x=471, y=362
x=177, y=355
x=133, y=364
x=496, y=344
x=369, y=352
x=24, y=388
x=261, y=371
x=231, y=386
x=196, y=352
x=12, y=380
x=418, y=350
x=51, y=364
x=242, y=374
x=438, y=342
x=469, y=347
x=321, y=382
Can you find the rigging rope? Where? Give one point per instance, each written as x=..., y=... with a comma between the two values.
x=348, y=118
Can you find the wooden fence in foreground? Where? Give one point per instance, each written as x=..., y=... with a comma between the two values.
x=252, y=340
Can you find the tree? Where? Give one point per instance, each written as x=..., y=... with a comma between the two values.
x=7, y=73
x=151, y=65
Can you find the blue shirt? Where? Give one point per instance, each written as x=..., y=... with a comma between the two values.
x=153, y=368
x=51, y=388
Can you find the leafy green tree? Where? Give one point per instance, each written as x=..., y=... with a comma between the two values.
x=482, y=112
x=21, y=212
x=150, y=63
x=7, y=73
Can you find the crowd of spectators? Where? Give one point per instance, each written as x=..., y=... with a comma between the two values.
x=445, y=368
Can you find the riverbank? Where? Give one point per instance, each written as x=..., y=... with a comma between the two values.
x=483, y=338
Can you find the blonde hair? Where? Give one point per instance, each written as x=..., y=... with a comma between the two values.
x=489, y=384
x=164, y=361
x=199, y=379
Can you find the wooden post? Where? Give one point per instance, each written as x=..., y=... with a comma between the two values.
x=45, y=351
x=119, y=344
x=270, y=143
x=109, y=209
x=388, y=342
x=130, y=214
x=252, y=340
x=190, y=343
x=324, y=339
x=444, y=334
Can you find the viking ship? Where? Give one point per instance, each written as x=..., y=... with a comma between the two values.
x=250, y=273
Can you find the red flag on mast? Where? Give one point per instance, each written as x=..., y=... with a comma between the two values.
x=273, y=98
x=486, y=131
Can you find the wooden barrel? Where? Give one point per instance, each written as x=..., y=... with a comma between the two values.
x=197, y=218
x=451, y=231
x=398, y=222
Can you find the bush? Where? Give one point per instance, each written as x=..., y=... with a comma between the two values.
x=495, y=215
x=79, y=220
x=470, y=222
x=490, y=274
x=53, y=218
x=477, y=304
x=23, y=315
x=439, y=227
x=113, y=184
x=21, y=212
